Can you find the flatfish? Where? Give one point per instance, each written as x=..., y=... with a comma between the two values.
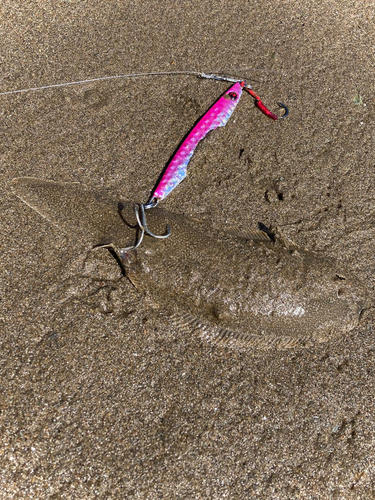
x=230, y=288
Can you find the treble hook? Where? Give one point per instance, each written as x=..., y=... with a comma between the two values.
x=140, y=215
x=261, y=106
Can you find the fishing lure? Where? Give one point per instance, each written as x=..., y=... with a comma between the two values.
x=217, y=116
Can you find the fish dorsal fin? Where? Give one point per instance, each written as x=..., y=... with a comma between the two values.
x=188, y=323
x=267, y=235
x=133, y=270
x=284, y=241
x=135, y=280
x=251, y=234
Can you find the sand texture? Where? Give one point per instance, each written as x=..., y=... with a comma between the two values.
x=100, y=397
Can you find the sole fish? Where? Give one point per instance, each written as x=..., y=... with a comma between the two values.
x=233, y=289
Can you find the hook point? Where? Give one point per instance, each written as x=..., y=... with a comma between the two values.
x=281, y=105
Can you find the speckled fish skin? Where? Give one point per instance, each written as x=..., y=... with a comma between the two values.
x=216, y=116
x=236, y=290
x=230, y=289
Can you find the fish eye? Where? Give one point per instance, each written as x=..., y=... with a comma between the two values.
x=231, y=95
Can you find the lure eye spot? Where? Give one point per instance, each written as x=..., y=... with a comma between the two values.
x=231, y=95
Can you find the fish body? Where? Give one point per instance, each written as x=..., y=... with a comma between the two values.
x=244, y=290
x=230, y=288
x=216, y=116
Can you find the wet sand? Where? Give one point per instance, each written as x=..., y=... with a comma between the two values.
x=99, y=397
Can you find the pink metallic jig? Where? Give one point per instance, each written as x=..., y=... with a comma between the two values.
x=216, y=116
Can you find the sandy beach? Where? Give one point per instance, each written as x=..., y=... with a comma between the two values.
x=102, y=399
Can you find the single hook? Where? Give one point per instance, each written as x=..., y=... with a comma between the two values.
x=261, y=106
x=281, y=105
x=140, y=215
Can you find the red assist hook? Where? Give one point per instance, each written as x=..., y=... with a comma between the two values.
x=249, y=89
x=261, y=106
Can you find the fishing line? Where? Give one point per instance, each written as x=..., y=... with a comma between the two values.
x=176, y=170
x=130, y=75
x=90, y=80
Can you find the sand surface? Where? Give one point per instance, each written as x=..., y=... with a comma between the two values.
x=101, y=399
